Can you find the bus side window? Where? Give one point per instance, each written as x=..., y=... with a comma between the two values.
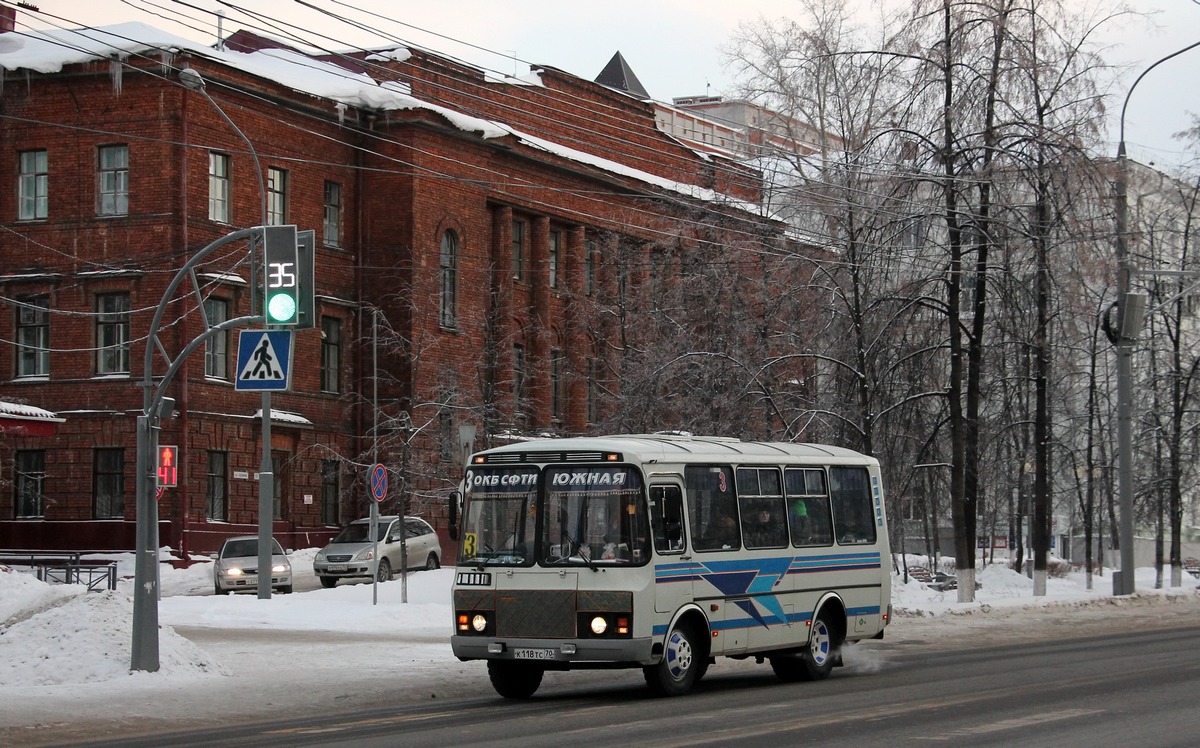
x=712, y=507
x=853, y=517
x=666, y=518
x=808, y=507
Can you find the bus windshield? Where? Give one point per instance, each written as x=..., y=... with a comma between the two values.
x=594, y=516
x=591, y=516
x=501, y=512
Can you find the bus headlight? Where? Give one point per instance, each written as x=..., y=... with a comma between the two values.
x=599, y=625
x=479, y=622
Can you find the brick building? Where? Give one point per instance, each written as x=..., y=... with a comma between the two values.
x=470, y=236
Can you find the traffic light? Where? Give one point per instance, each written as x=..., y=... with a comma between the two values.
x=168, y=466
x=281, y=276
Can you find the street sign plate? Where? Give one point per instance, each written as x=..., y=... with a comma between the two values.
x=379, y=481
x=264, y=360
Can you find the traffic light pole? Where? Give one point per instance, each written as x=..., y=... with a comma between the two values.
x=144, y=651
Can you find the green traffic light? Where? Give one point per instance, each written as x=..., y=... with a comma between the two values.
x=281, y=307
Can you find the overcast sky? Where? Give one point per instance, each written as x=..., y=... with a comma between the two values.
x=673, y=46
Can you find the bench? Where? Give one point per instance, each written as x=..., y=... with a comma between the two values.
x=920, y=573
x=1192, y=566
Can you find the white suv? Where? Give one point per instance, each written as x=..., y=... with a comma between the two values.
x=349, y=554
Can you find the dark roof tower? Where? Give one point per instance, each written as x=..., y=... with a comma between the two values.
x=617, y=74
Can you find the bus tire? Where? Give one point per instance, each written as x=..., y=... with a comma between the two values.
x=789, y=668
x=682, y=664
x=514, y=680
x=819, y=656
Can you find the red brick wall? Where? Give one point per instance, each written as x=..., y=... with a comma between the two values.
x=406, y=177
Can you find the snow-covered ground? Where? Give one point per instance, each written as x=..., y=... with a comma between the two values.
x=65, y=653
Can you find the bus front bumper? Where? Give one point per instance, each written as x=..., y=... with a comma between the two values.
x=556, y=653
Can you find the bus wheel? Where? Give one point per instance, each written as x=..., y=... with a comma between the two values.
x=514, y=680
x=789, y=668
x=819, y=656
x=681, y=666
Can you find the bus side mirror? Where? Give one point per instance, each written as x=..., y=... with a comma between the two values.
x=454, y=510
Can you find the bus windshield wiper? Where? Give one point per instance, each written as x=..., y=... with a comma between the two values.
x=587, y=559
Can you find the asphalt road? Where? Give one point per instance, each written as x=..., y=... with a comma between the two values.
x=1135, y=685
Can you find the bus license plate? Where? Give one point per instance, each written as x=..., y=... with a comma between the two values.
x=533, y=654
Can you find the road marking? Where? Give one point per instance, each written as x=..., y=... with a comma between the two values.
x=1013, y=724
x=357, y=723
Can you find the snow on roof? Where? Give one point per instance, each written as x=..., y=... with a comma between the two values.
x=47, y=51
x=21, y=412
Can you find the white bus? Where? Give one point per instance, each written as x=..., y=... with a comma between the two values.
x=664, y=553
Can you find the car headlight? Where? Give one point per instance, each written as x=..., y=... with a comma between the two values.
x=365, y=555
x=279, y=568
x=320, y=556
x=233, y=571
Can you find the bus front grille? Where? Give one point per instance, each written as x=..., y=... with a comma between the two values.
x=536, y=613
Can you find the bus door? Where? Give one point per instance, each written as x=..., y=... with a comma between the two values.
x=672, y=567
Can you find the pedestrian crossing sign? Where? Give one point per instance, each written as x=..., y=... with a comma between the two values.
x=264, y=360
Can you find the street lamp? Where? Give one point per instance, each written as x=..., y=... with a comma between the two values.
x=192, y=81
x=266, y=477
x=1130, y=309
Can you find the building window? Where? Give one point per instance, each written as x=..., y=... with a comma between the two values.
x=33, y=337
x=518, y=250
x=446, y=442
x=113, y=186
x=108, y=489
x=333, y=214
x=329, y=491
x=558, y=400
x=216, y=494
x=331, y=354
x=449, y=277
x=277, y=186
x=279, y=462
x=593, y=394
x=29, y=484
x=218, y=187
x=589, y=268
x=555, y=241
x=520, y=396
x=33, y=186
x=216, y=348
x=112, y=333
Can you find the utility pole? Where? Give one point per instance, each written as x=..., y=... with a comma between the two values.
x=1130, y=306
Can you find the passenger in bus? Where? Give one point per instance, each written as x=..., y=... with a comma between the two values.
x=758, y=529
x=722, y=533
x=809, y=527
x=801, y=526
x=614, y=548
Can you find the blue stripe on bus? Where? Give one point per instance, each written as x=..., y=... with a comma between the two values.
x=773, y=620
x=765, y=571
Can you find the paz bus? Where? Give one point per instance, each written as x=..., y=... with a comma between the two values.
x=664, y=552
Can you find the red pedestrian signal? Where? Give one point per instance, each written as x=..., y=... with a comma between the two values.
x=168, y=468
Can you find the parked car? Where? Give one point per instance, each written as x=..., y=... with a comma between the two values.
x=349, y=554
x=235, y=568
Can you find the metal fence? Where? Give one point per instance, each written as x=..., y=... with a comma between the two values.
x=57, y=567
